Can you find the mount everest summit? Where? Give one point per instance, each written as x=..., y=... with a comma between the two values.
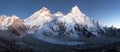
x=73, y=28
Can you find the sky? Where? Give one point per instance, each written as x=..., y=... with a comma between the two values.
x=105, y=11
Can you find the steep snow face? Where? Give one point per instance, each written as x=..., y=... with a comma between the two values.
x=5, y=21
x=82, y=20
x=43, y=12
x=38, y=19
x=77, y=15
x=68, y=22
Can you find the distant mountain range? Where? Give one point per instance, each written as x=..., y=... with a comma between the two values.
x=57, y=28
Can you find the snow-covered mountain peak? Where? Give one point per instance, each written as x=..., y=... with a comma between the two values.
x=42, y=13
x=38, y=19
x=5, y=21
x=44, y=10
x=14, y=17
x=58, y=14
x=77, y=16
x=2, y=18
x=76, y=11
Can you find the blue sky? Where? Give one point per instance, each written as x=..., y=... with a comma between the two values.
x=105, y=11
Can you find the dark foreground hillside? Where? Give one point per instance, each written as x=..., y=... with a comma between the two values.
x=33, y=45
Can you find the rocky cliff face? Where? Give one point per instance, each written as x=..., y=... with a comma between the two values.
x=18, y=28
